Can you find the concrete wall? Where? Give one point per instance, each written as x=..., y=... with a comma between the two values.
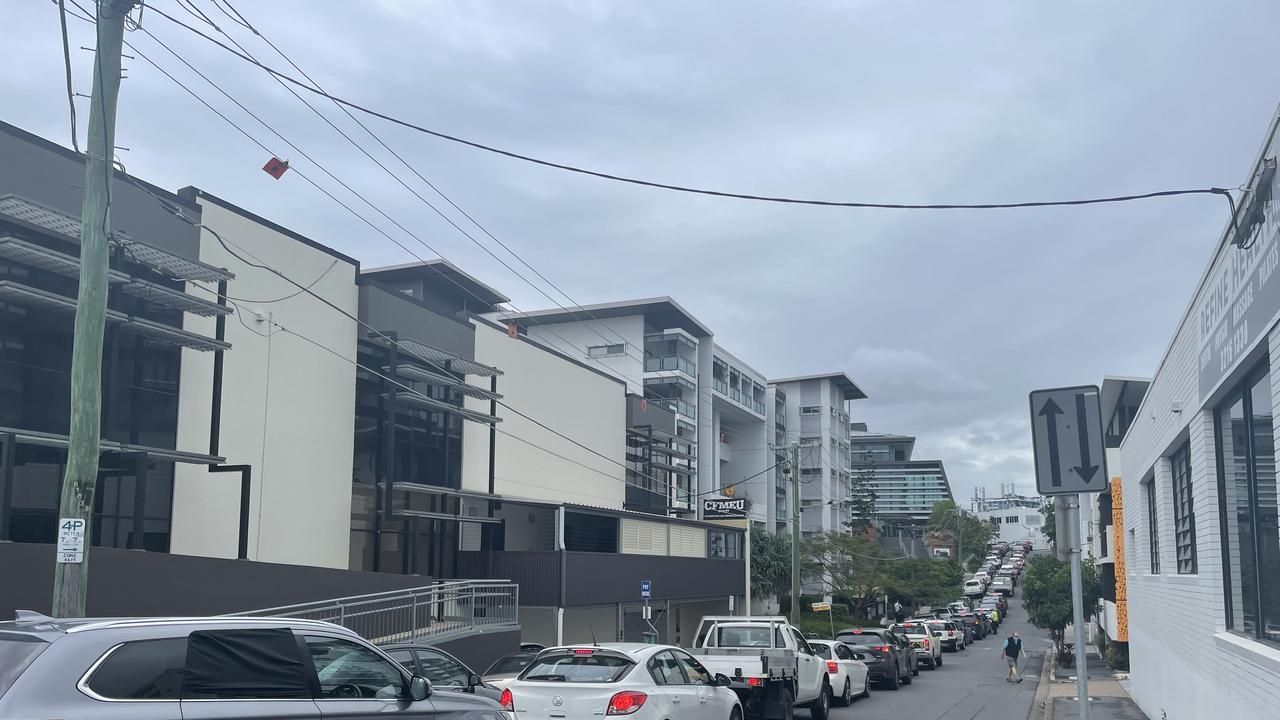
x=573, y=339
x=538, y=625
x=581, y=403
x=1184, y=661
x=583, y=625
x=288, y=407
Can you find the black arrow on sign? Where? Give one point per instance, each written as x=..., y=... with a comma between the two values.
x=1086, y=470
x=1050, y=412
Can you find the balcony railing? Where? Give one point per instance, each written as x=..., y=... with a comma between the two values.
x=759, y=406
x=671, y=362
x=686, y=409
x=721, y=386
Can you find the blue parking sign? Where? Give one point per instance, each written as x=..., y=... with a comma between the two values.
x=645, y=587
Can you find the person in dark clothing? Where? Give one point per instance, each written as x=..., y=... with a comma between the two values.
x=1012, y=651
x=898, y=615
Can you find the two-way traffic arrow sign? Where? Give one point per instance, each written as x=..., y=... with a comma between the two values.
x=1068, y=462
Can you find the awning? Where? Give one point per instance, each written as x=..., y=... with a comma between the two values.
x=161, y=295
x=440, y=357
x=421, y=401
x=50, y=260
x=33, y=437
x=417, y=374
x=172, y=335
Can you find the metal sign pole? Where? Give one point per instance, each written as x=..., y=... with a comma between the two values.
x=1077, y=606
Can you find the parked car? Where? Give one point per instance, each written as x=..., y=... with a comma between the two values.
x=980, y=630
x=505, y=669
x=769, y=660
x=532, y=646
x=445, y=671
x=1002, y=585
x=218, y=667
x=974, y=588
x=951, y=635
x=849, y=675
x=893, y=665
x=647, y=682
x=926, y=643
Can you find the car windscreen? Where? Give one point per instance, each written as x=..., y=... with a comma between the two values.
x=15, y=656
x=911, y=629
x=748, y=636
x=510, y=664
x=860, y=637
x=822, y=651
x=576, y=666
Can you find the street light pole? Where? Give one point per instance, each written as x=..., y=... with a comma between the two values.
x=795, y=533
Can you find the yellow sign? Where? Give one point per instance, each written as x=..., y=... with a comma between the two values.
x=1117, y=555
x=821, y=607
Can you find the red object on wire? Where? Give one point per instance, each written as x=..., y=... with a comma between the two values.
x=276, y=167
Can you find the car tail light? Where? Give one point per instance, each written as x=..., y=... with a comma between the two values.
x=583, y=651
x=505, y=700
x=882, y=648
x=831, y=666
x=626, y=702
x=755, y=682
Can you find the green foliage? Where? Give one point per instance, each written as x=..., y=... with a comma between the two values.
x=770, y=563
x=1049, y=528
x=845, y=565
x=1046, y=591
x=1117, y=656
x=923, y=581
x=862, y=499
x=961, y=530
x=819, y=624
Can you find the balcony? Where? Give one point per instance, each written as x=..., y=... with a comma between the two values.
x=669, y=363
x=758, y=406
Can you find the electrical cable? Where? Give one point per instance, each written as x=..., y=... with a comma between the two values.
x=66, y=62
x=694, y=190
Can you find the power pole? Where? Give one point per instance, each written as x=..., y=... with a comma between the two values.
x=795, y=533
x=75, y=510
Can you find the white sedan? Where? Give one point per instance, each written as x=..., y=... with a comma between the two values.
x=647, y=682
x=849, y=678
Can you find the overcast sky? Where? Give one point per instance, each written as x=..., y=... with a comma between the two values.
x=947, y=320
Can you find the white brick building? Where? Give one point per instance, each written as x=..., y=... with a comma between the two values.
x=1201, y=542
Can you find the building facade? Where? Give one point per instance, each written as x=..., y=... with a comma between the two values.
x=817, y=418
x=906, y=489
x=1199, y=485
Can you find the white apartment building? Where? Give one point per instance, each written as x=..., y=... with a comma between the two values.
x=1199, y=485
x=817, y=417
x=668, y=358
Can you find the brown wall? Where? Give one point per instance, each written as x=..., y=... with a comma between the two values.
x=138, y=583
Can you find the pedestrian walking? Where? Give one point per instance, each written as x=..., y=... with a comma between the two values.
x=897, y=612
x=995, y=621
x=1012, y=652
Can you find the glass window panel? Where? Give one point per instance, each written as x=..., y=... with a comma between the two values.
x=1233, y=439
x=349, y=670
x=1267, y=535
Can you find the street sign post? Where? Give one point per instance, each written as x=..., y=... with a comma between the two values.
x=1066, y=437
x=1071, y=459
x=646, y=589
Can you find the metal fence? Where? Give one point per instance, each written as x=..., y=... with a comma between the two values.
x=430, y=612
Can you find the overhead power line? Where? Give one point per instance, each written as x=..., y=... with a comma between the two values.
x=686, y=188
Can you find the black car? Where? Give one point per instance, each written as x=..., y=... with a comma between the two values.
x=890, y=659
x=445, y=671
x=980, y=629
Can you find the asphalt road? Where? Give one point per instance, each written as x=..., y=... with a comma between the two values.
x=970, y=685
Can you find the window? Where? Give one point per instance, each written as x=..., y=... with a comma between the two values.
x=351, y=671
x=693, y=670
x=800, y=642
x=1011, y=519
x=810, y=410
x=142, y=670
x=1034, y=520
x=1184, y=519
x=404, y=656
x=245, y=664
x=1247, y=504
x=442, y=670
x=576, y=667
x=665, y=669
x=1153, y=530
x=995, y=521
x=842, y=652
x=606, y=350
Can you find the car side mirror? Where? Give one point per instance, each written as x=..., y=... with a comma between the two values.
x=474, y=680
x=723, y=680
x=419, y=688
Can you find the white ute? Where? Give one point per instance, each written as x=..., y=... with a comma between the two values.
x=771, y=667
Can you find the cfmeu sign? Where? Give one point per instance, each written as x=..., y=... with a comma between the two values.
x=714, y=508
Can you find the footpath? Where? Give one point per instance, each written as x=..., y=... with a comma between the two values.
x=1056, y=697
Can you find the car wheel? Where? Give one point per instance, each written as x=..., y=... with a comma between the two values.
x=896, y=682
x=846, y=697
x=736, y=714
x=787, y=700
x=933, y=663
x=906, y=679
x=915, y=667
x=818, y=709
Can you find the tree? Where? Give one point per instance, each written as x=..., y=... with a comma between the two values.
x=923, y=581
x=1046, y=593
x=770, y=563
x=1049, y=528
x=961, y=530
x=846, y=566
x=862, y=499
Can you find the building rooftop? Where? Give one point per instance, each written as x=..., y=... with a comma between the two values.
x=661, y=312
x=842, y=381
x=864, y=436
x=1116, y=388
x=435, y=270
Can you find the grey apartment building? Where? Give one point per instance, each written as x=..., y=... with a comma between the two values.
x=906, y=488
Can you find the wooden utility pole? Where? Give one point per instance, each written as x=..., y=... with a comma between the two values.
x=795, y=533
x=75, y=510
